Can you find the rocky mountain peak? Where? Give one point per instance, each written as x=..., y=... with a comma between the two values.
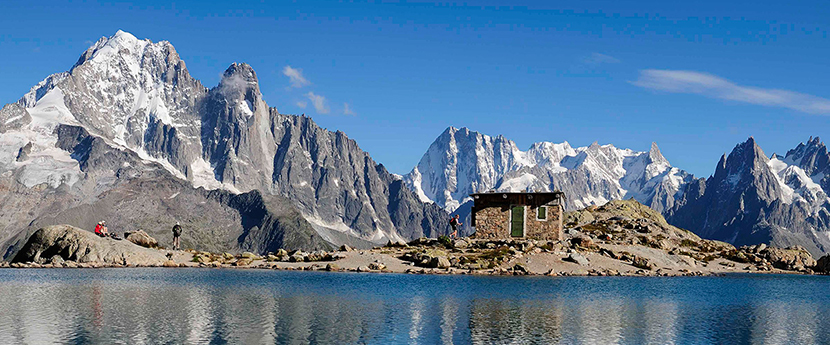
x=812, y=157
x=242, y=71
x=239, y=78
x=122, y=45
x=744, y=164
x=655, y=156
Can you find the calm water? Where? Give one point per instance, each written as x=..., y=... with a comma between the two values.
x=195, y=306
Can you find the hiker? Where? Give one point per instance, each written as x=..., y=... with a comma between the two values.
x=101, y=229
x=177, y=231
x=454, y=223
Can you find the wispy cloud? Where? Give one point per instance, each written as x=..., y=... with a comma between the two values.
x=347, y=110
x=296, y=76
x=318, y=101
x=716, y=87
x=302, y=104
x=597, y=58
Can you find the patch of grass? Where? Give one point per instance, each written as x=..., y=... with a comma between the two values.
x=495, y=254
x=688, y=243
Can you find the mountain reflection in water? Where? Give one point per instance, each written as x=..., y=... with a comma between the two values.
x=202, y=306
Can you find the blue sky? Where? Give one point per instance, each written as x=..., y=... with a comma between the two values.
x=695, y=79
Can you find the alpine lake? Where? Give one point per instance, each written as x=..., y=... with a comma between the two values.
x=235, y=306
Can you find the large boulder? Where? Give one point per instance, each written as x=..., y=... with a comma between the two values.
x=823, y=264
x=792, y=258
x=141, y=238
x=74, y=244
x=439, y=262
x=579, y=259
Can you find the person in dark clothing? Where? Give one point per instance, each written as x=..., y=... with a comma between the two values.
x=177, y=231
x=454, y=223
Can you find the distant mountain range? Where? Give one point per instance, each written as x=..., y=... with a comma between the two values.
x=460, y=162
x=753, y=198
x=127, y=135
x=750, y=199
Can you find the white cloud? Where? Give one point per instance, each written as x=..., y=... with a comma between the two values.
x=716, y=87
x=347, y=110
x=597, y=58
x=319, y=102
x=296, y=76
x=302, y=104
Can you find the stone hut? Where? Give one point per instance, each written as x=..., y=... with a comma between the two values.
x=517, y=215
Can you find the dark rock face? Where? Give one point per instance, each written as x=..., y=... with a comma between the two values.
x=73, y=244
x=131, y=195
x=23, y=153
x=335, y=181
x=753, y=199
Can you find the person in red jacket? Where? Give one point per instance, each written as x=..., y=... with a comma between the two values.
x=101, y=229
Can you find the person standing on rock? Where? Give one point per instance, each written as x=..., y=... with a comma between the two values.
x=454, y=224
x=177, y=231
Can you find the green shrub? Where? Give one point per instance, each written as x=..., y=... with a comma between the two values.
x=445, y=240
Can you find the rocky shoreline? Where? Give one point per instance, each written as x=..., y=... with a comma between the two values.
x=621, y=238
x=464, y=256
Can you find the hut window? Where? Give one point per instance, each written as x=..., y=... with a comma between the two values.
x=542, y=213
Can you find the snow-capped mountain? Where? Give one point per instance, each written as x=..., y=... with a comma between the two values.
x=752, y=199
x=135, y=98
x=460, y=162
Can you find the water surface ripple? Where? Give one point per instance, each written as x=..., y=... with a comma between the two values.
x=209, y=306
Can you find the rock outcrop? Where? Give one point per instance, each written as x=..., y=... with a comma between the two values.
x=141, y=238
x=69, y=243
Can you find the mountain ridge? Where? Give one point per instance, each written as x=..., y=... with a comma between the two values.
x=751, y=198
x=137, y=96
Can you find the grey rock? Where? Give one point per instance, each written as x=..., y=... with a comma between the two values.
x=760, y=248
x=141, y=238
x=23, y=153
x=578, y=258
x=439, y=262
x=377, y=266
x=73, y=244
x=56, y=260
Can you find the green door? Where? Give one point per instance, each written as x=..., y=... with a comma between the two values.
x=517, y=221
